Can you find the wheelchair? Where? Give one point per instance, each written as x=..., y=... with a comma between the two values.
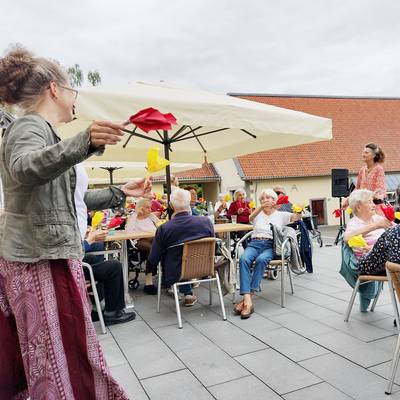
x=136, y=264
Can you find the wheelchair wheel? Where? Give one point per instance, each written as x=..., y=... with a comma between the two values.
x=273, y=274
x=133, y=284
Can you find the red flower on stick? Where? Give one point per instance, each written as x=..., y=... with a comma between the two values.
x=337, y=213
x=389, y=212
x=115, y=222
x=282, y=199
x=150, y=119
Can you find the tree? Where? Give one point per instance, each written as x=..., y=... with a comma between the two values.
x=94, y=77
x=76, y=75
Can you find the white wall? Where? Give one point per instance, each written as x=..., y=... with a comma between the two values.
x=230, y=179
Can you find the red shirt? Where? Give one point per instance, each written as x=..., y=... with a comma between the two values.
x=242, y=218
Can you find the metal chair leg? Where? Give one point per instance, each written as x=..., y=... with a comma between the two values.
x=290, y=277
x=210, y=293
x=178, y=309
x=283, y=295
x=380, y=287
x=221, y=297
x=159, y=287
x=96, y=298
x=351, y=302
x=393, y=369
x=394, y=300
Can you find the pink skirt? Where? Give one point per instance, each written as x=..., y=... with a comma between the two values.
x=48, y=345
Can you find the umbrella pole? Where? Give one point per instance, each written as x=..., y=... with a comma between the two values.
x=167, y=171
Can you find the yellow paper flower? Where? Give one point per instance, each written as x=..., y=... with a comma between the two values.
x=154, y=161
x=227, y=197
x=357, y=241
x=97, y=218
x=397, y=215
x=297, y=209
x=349, y=210
x=252, y=204
x=158, y=196
x=162, y=221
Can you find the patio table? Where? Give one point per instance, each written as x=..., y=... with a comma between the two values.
x=123, y=236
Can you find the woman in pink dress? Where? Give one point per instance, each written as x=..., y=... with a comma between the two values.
x=372, y=175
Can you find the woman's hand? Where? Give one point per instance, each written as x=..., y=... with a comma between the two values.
x=98, y=235
x=383, y=223
x=105, y=132
x=138, y=188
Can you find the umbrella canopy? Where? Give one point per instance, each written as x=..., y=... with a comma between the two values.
x=215, y=125
x=100, y=172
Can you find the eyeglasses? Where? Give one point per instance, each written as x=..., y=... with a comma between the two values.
x=74, y=91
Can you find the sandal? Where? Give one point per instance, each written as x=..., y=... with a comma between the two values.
x=238, y=308
x=247, y=311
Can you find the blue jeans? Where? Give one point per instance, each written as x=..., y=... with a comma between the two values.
x=261, y=252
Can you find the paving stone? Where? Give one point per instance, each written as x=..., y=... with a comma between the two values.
x=112, y=352
x=248, y=387
x=208, y=363
x=278, y=372
x=317, y=392
x=179, y=385
x=347, y=377
x=124, y=375
x=144, y=350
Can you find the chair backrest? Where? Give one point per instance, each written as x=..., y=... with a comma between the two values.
x=198, y=258
x=394, y=270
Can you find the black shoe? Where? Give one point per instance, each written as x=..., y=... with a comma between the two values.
x=119, y=317
x=150, y=289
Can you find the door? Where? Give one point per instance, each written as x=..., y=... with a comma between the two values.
x=318, y=208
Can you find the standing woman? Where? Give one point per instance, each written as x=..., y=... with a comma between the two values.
x=49, y=348
x=372, y=175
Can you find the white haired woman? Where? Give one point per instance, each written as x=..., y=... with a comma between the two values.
x=221, y=207
x=366, y=221
x=259, y=250
x=143, y=220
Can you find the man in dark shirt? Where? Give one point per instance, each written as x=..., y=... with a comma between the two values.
x=183, y=227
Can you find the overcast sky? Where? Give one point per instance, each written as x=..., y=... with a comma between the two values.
x=254, y=46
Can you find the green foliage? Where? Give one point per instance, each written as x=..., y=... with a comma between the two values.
x=94, y=78
x=75, y=75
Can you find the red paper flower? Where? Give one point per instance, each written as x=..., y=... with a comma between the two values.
x=150, y=119
x=337, y=213
x=389, y=212
x=116, y=221
x=282, y=199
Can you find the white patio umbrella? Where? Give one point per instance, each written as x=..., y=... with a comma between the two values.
x=213, y=125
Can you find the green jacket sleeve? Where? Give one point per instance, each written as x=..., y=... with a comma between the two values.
x=100, y=199
x=33, y=161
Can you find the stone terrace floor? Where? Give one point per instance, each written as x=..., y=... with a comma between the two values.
x=303, y=351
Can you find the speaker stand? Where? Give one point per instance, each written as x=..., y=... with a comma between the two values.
x=342, y=226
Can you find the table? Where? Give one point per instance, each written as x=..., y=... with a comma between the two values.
x=122, y=236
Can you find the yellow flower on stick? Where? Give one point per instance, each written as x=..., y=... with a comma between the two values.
x=349, y=210
x=357, y=241
x=97, y=218
x=154, y=161
x=252, y=204
x=227, y=197
x=297, y=209
x=397, y=215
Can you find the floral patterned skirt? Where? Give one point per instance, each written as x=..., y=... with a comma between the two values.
x=49, y=347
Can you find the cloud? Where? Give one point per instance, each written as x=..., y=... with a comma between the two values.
x=308, y=47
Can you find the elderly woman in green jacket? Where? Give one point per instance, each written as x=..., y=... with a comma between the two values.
x=50, y=347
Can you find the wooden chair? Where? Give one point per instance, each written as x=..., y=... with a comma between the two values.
x=362, y=280
x=197, y=263
x=94, y=293
x=393, y=275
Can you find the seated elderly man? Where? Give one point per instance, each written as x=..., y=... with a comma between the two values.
x=381, y=245
x=182, y=227
x=260, y=248
x=110, y=276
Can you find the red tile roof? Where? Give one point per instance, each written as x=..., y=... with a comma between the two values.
x=356, y=121
x=206, y=173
